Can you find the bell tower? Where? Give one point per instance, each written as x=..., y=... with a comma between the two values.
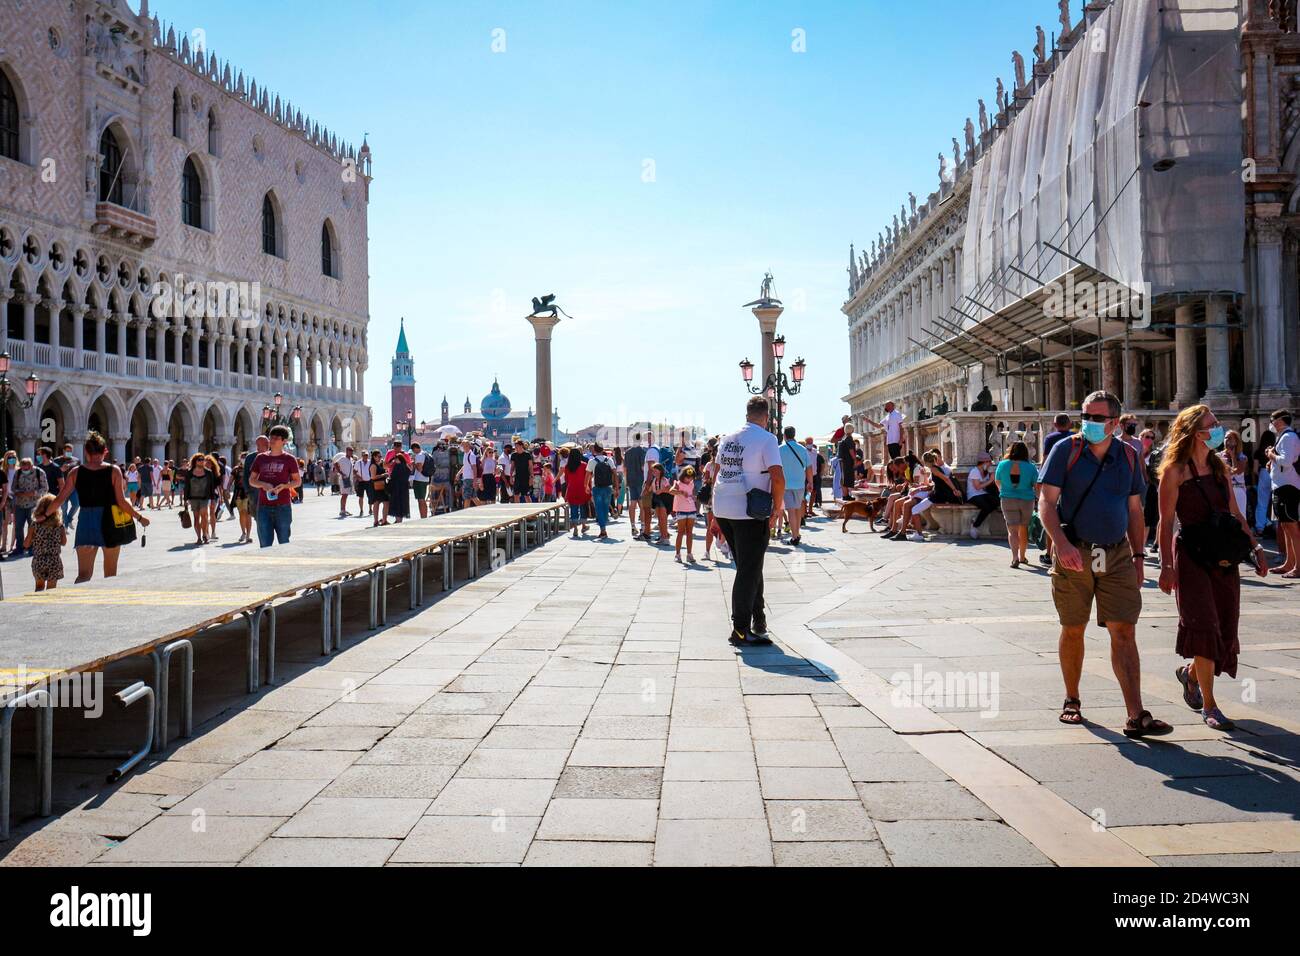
x=403, y=380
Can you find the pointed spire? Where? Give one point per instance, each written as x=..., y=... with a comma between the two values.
x=402, y=347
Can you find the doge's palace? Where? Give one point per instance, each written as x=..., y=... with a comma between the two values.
x=177, y=242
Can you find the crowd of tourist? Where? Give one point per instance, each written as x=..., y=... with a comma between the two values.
x=1098, y=501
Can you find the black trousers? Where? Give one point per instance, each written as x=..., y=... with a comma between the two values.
x=987, y=504
x=747, y=540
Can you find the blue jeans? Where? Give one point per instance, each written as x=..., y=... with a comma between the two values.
x=273, y=522
x=577, y=515
x=22, y=517
x=602, y=498
x=70, y=509
x=1265, y=492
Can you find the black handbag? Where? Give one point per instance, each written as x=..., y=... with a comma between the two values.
x=117, y=527
x=1217, y=543
x=758, y=504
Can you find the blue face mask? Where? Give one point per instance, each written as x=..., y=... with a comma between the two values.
x=1094, y=432
x=1216, y=437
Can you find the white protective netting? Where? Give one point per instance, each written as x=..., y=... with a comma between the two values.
x=1061, y=174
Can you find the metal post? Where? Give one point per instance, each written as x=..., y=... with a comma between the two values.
x=383, y=594
x=413, y=568
x=128, y=697
x=448, y=566
x=326, y=627
x=270, y=640
x=338, y=616
x=44, y=753
x=254, y=651
x=373, y=575
x=187, y=691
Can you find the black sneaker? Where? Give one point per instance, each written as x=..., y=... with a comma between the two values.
x=888, y=535
x=758, y=634
x=1045, y=559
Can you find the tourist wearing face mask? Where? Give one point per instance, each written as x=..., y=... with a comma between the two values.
x=1201, y=568
x=1284, y=459
x=1092, y=490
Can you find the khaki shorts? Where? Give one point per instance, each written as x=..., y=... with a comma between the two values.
x=1017, y=511
x=1108, y=575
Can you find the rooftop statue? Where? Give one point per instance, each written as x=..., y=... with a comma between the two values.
x=970, y=136
x=984, y=119
x=1065, y=19
x=943, y=168
x=956, y=152
x=1018, y=62
x=1040, y=48
x=1002, y=96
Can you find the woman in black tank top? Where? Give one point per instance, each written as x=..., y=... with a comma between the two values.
x=98, y=486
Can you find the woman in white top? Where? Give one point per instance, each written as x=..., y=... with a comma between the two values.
x=1236, y=461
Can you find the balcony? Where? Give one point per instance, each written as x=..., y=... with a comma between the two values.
x=123, y=223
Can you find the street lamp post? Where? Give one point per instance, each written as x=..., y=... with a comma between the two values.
x=777, y=384
x=30, y=385
x=271, y=415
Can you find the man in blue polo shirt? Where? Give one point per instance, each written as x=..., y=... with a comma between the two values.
x=1091, y=495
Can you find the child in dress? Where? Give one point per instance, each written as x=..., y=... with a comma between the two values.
x=46, y=536
x=548, y=483
x=684, y=511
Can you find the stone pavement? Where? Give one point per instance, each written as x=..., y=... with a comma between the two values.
x=580, y=705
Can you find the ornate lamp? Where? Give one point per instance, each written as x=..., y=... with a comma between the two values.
x=747, y=370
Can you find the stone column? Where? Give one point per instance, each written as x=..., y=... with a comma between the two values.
x=195, y=331
x=1218, y=385
x=120, y=319
x=1110, y=369
x=178, y=350
x=544, y=325
x=1185, y=355
x=5, y=296
x=78, y=334
x=29, y=301
x=767, y=316
x=117, y=447
x=160, y=347
x=1270, y=316
x=141, y=340
x=56, y=318
x=1055, y=387
x=158, y=446
x=1071, y=385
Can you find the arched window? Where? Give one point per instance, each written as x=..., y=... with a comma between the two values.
x=178, y=114
x=328, y=259
x=110, y=168
x=213, y=129
x=191, y=195
x=270, y=228
x=8, y=118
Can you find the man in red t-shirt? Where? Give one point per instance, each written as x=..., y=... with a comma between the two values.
x=275, y=474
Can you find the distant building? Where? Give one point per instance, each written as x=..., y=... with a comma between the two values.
x=403, y=380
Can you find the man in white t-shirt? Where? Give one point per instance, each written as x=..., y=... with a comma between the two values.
x=893, y=428
x=344, y=468
x=748, y=460
x=362, y=482
x=1284, y=459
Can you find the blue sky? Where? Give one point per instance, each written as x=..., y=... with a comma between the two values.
x=645, y=161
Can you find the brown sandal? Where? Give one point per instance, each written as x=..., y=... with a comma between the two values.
x=1144, y=725
x=1071, y=712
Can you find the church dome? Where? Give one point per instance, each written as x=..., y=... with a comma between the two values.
x=495, y=406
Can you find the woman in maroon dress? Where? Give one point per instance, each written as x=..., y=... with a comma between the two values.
x=1194, y=484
